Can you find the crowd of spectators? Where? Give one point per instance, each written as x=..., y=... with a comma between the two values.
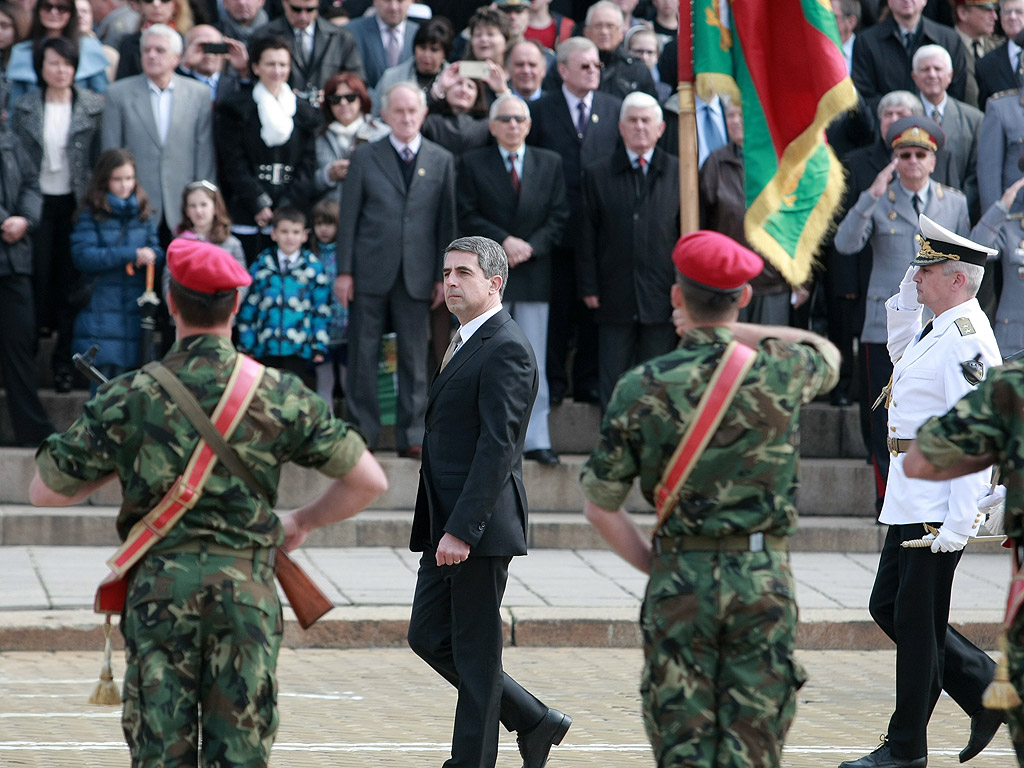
x=232, y=110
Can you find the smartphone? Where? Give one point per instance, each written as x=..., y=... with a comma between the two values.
x=474, y=70
x=214, y=47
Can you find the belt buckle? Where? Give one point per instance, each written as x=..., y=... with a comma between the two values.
x=893, y=446
x=757, y=542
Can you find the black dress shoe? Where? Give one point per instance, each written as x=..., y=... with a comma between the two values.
x=884, y=758
x=984, y=725
x=535, y=744
x=542, y=456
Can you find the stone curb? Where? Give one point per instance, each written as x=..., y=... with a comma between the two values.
x=386, y=626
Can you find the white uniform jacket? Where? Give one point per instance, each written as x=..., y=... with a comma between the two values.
x=927, y=380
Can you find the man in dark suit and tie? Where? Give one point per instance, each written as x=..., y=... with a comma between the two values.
x=997, y=71
x=397, y=213
x=579, y=123
x=384, y=39
x=319, y=48
x=471, y=511
x=882, y=53
x=517, y=197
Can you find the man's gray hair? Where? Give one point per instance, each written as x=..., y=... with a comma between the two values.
x=640, y=100
x=931, y=52
x=904, y=99
x=385, y=100
x=603, y=4
x=850, y=8
x=973, y=274
x=502, y=99
x=575, y=45
x=162, y=30
x=490, y=255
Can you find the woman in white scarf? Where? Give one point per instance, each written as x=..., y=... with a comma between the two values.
x=265, y=145
x=346, y=108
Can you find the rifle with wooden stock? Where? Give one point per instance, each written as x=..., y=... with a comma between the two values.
x=306, y=599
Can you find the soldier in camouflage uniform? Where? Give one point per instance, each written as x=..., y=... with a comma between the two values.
x=982, y=429
x=719, y=616
x=202, y=622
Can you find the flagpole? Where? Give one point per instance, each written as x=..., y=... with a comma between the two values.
x=688, y=205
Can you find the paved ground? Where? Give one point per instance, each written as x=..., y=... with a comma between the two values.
x=386, y=709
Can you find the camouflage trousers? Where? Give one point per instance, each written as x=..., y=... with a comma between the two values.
x=202, y=634
x=1015, y=657
x=719, y=678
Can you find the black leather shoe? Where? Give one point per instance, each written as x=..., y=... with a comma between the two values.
x=984, y=725
x=884, y=758
x=542, y=456
x=535, y=744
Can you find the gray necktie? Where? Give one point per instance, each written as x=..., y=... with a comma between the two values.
x=712, y=135
x=393, y=51
x=450, y=352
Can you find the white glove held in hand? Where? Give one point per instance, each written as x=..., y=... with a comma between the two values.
x=993, y=502
x=949, y=541
x=908, y=291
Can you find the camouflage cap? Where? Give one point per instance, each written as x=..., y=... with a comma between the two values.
x=938, y=244
x=203, y=267
x=715, y=261
x=915, y=131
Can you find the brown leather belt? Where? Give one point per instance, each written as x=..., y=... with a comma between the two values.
x=753, y=542
x=898, y=445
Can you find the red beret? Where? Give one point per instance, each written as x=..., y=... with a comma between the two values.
x=204, y=267
x=715, y=261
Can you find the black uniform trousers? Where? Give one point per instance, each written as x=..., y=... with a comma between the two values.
x=910, y=603
x=17, y=351
x=456, y=628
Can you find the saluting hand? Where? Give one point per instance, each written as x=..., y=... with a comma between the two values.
x=881, y=182
x=1011, y=193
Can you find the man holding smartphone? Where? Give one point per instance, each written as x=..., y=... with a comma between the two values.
x=214, y=60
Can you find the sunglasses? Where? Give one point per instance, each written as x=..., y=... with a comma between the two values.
x=300, y=9
x=511, y=118
x=919, y=154
x=336, y=98
x=54, y=8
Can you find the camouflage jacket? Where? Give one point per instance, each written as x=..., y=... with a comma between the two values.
x=132, y=428
x=988, y=420
x=746, y=480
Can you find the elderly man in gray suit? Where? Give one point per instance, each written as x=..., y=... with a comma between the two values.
x=932, y=73
x=164, y=120
x=397, y=215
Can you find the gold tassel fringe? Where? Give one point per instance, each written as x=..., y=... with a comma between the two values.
x=106, y=693
x=1000, y=693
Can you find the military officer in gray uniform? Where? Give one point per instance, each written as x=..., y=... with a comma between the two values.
x=999, y=145
x=886, y=216
x=1002, y=228
x=936, y=362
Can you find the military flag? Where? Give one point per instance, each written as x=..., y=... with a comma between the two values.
x=782, y=61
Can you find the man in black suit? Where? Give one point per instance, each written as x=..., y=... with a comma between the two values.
x=882, y=53
x=997, y=71
x=319, y=48
x=624, y=252
x=471, y=510
x=579, y=123
x=517, y=197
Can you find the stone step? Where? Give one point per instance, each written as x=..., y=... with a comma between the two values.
x=825, y=431
x=829, y=486
x=93, y=526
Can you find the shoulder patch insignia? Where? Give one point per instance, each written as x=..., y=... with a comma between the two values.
x=965, y=326
x=973, y=370
x=1001, y=94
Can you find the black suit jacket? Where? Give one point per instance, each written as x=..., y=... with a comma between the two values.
x=630, y=226
x=993, y=74
x=471, y=478
x=488, y=206
x=334, y=51
x=555, y=129
x=881, y=64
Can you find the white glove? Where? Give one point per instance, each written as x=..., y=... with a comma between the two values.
x=908, y=291
x=994, y=507
x=948, y=540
